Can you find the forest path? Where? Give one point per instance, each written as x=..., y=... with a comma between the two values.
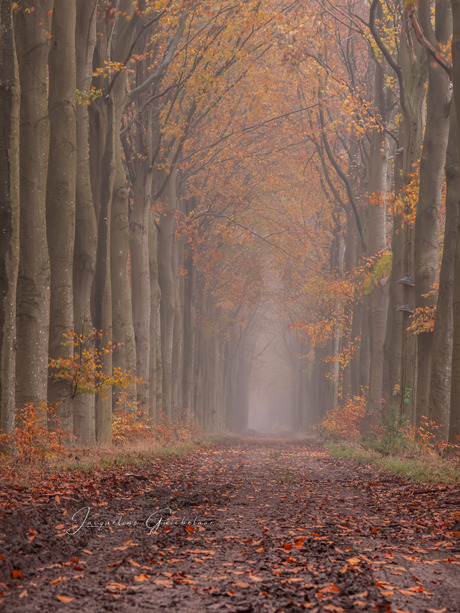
x=246, y=525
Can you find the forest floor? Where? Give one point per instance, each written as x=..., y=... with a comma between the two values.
x=243, y=525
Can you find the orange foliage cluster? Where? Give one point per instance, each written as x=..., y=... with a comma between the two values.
x=130, y=422
x=31, y=441
x=84, y=368
x=405, y=202
x=427, y=436
x=423, y=319
x=168, y=431
x=345, y=421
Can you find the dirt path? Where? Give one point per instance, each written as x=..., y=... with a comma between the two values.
x=252, y=525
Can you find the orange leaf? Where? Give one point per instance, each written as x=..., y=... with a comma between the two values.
x=141, y=577
x=115, y=587
x=331, y=588
x=64, y=598
x=189, y=529
x=164, y=582
x=17, y=574
x=57, y=580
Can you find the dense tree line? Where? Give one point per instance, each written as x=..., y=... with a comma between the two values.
x=170, y=167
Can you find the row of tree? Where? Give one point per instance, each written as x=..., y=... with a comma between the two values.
x=169, y=168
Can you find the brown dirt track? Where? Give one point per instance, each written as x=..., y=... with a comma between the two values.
x=246, y=525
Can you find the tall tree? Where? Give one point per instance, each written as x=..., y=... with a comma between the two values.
x=85, y=216
x=431, y=181
x=32, y=29
x=454, y=426
x=9, y=212
x=441, y=364
x=60, y=196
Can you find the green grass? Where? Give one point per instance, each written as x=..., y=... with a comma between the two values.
x=426, y=468
x=287, y=475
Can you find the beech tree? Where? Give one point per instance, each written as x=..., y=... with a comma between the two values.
x=9, y=213
x=32, y=28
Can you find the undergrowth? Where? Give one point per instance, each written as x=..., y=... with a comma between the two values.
x=417, y=452
x=422, y=469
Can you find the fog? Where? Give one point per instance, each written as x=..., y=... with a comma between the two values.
x=270, y=386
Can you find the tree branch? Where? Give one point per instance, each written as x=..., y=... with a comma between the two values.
x=420, y=36
x=343, y=176
x=158, y=73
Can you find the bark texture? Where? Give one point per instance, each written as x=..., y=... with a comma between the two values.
x=60, y=198
x=33, y=297
x=9, y=212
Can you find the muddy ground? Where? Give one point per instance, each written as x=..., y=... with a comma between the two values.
x=249, y=525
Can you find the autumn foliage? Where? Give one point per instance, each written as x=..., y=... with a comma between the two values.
x=345, y=422
x=32, y=441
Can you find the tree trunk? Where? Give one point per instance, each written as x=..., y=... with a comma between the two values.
x=124, y=354
x=140, y=273
x=454, y=425
x=429, y=202
x=9, y=213
x=154, y=361
x=166, y=229
x=103, y=144
x=33, y=299
x=178, y=335
x=85, y=217
x=60, y=200
x=414, y=69
x=364, y=353
x=441, y=365
x=376, y=241
x=394, y=329
x=113, y=45
x=189, y=335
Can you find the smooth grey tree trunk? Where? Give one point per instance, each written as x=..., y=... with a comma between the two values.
x=454, y=425
x=60, y=201
x=85, y=216
x=33, y=296
x=376, y=241
x=441, y=364
x=429, y=202
x=9, y=213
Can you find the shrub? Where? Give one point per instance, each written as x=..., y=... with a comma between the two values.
x=346, y=421
x=130, y=421
x=31, y=441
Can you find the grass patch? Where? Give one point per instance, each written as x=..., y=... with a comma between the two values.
x=425, y=468
x=287, y=475
x=86, y=460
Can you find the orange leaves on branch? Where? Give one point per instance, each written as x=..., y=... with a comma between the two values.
x=130, y=421
x=168, y=431
x=427, y=435
x=423, y=319
x=31, y=440
x=85, y=367
x=346, y=421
